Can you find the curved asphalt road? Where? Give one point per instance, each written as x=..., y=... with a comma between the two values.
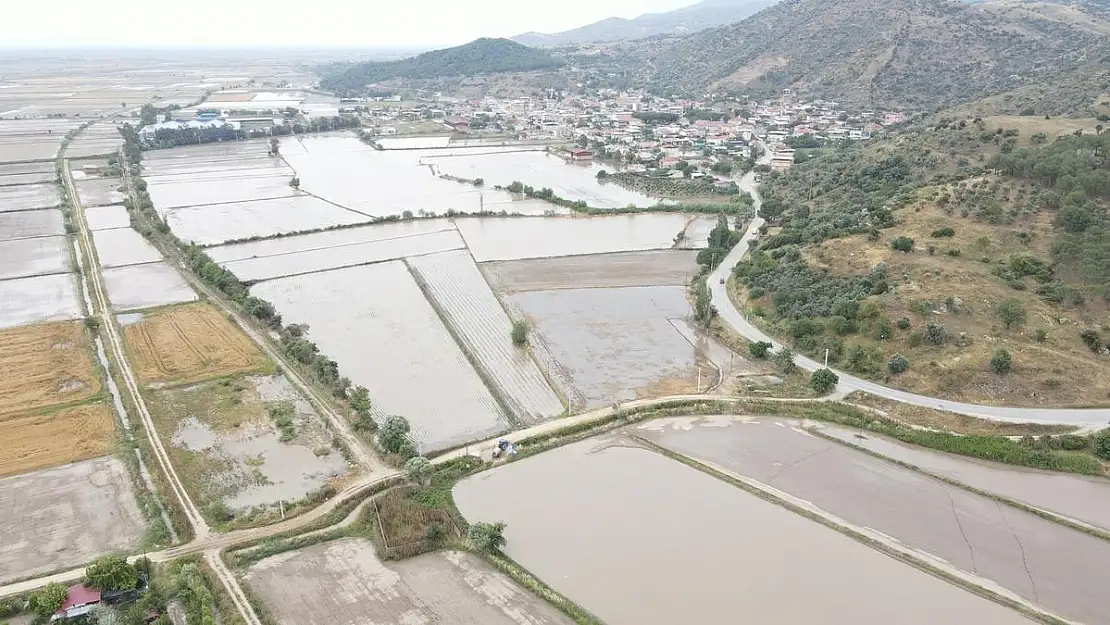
x=727, y=311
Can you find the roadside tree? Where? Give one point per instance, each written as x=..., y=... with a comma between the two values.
x=111, y=573
x=824, y=381
x=419, y=470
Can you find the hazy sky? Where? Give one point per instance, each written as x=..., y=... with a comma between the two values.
x=371, y=23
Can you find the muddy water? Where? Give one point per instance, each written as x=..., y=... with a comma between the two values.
x=639, y=539
x=1086, y=499
x=514, y=239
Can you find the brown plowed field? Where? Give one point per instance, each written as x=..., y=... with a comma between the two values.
x=189, y=344
x=49, y=440
x=44, y=365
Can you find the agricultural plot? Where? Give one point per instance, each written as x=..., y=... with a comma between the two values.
x=349, y=255
x=99, y=191
x=146, y=286
x=39, y=299
x=45, y=365
x=222, y=191
x=696, y=235
x=395, y=345
x=187, y=344
x=66, y=516
x=328, y=239
x=1056, y=567
x=10, y=169
x=742, y=559
x=231, y=451
x=22, y=258
x=123, y=246
x=345, y=583
x=659, y=268
x=28, y=178
x=107, y=217
x=479, y=322
x=40, y=441
x=539, y=237
x=15, y=150
x=218, y=223
x=29, y=197
x=609, y=345
x=27, y=224
x=96, y=140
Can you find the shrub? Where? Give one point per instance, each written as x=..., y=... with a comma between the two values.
x=914, y=339
x=110, y=573
x=883, y=329
x=904, y=323
x=935, y=333
x=520, y=333
x=944, y=232
x=823, y=381
x=1041, y=335
x=1101, y=444
x=897, y=364
x=756, y=292
x=1092, y=339
x=902, y=244
x=760, y=349
x=486, y=537
x=1001, y=362
x=785, y=361
x=1071, y=442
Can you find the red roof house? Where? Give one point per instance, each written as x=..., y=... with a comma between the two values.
x=79, y=601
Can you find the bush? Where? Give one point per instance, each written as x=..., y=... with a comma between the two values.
x=1101, y=444
x=760, y=349
x=46, y=602
x=935, y=333
x=904, y=323
x=897, y=364
x=944, y=232
x=486, y=537
x=394, y=435
x=1041, y=335
x=520, y=333
x=914, y=339
x=902, y=244
x=824, y=381
x=785, y=361
x=883, y=329
x=110, y=573
x=1001, y=362
x=1092, y=339
x=1012, y=313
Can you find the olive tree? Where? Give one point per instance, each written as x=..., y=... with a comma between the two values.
x=824, y=381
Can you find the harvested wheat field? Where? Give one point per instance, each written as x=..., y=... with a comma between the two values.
x=45, y=365
x=49, y=440
x=187, y=344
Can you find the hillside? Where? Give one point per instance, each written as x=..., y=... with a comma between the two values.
x=1007, y=233
x=691, y=19
x=917, y=54
x=483, y=56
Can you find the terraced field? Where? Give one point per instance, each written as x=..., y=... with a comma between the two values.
x=41, y=441
x=190, y=343
x=45, y=365
x=454, y=284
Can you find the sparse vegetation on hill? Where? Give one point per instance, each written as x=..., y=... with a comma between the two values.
x=1008, y=272
x=875, y=53
x=483, y=56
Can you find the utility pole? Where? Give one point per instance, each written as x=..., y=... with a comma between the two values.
x=826, y=358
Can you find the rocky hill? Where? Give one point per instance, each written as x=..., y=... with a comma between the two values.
x=691, y=19
x=884, y=53
x=483, y=56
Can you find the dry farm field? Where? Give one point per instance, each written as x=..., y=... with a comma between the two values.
x=44, y=440
x=45, y=365
x=539, y=237
x=655, y=268
x=189, y=343
x=345, y=583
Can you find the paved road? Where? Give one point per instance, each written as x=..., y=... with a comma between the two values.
x=730, y=314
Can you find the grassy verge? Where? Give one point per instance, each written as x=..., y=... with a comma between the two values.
x=954, y=422
x=983, y=447
x=883, y=547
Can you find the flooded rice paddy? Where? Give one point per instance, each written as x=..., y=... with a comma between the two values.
x=65, y=517
x=27, y=224
x=1050, y=565
x=609, y=345
x=657, y=268
x=21, y=258
x=38, y=299
x=244, y=463
x=107, y=217
x=123, y=246
x=343, y=582
x=146, y=286
x=453, y=282
x=196, y=191
x=639, y=539
x=345, y=255
x=27, y=178
x=29, y=197
x=571, y=181
x=1083, y=498
x=375, y=322
x=513, y=239
x=219, y=223
x=99, y=191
